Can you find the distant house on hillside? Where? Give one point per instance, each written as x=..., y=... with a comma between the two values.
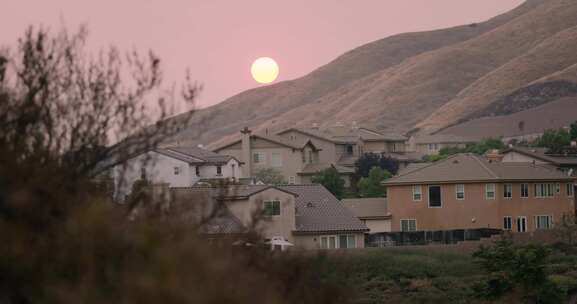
x=342, y=145
x=175, y=166
x=306, y=216
x=296, y=159
x=467, y=191
x=566, y=163
x=432, y=144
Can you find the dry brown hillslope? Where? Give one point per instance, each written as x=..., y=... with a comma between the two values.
x=406, y=80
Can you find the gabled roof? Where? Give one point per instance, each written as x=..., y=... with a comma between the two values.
x=346, y=135
x=368, y=208
x=540, y=154
x=319, y=211
x=443, y=139
x=297, y=145
x=194, y=155
x=469, y=167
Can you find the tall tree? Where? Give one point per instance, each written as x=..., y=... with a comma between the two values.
x=554, y=140
x=367, y=161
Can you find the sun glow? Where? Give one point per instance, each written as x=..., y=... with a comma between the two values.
x=264, y=70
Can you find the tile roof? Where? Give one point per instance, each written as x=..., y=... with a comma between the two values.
x=317, y=210
x=469, y=167
x=366, y=208
x=343, y=135
x=193, y=155
x=443, y=139
x=294, y=144
x=541, y=153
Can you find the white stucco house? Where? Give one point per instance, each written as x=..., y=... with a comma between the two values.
x=175, y=166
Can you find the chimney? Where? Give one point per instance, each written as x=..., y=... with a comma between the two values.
x=246, y=151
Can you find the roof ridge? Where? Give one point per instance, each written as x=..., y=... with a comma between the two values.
x=427, y=166
x=476, y=157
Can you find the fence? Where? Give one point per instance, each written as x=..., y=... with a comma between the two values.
x=385, y=239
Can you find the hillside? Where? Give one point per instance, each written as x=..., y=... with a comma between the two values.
x=423, y=81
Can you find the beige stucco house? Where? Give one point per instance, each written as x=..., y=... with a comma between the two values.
x=468, y=191
x=297, y=160
x=307, y=216
x=565, y=163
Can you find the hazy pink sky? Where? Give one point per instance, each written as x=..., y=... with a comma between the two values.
x=219, y=39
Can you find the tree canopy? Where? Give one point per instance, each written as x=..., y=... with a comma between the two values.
x=367, y=161
x=331, y=180
x=371, y=186
x=270, y=176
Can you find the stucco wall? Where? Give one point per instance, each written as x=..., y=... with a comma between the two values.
x=474, y=211
x=248, y=210
x=380, y=225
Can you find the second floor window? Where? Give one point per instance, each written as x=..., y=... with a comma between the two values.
x=435, y=197
x=197, y=170
x=176, y=170
x=524, y=190
x=490, y=191
x=218, y=170
x=271, y=208
x=417, y=194
x=507, y=190
x=544, y=190
x=569, y=189
x=258, y=157
x=292, y=180
x=460, y=191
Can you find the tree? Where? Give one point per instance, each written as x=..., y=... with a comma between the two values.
x=573, y=131
x=367, y=161
x=331, y=180
x=554, y=140
x=270, y=176
x=371, y=186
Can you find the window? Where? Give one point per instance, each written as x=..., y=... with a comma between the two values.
x=347, y=241
x=258, y=157
x=433, y=147
x=543, y=190
x=558, y=188
x=329, y=242
x=524, y=190
x=521, y=224
x=507, y=223
x=311, y=157
x=197, y=170
x=304, y=157
x=176, y=170
x=218, y=170
x=489, y=191
x=417, y=194
x=543, y=222
x=570, y=189
x=460, y=191
x=292, y=180
x=271, y=208
x=409, y=225
x=507, y=190
x=435, y=200
x=350, y=149
x=276, y=159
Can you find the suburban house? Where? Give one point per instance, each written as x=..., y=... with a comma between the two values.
x=432, y=144
x=467, y=191
x=303, y=216
x=297, y=160
x=372, y=212
x=566, y=163
x=175, y=166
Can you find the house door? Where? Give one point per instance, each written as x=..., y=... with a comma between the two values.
x=522, y=224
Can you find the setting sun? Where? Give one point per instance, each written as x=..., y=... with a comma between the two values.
x=264, y=70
